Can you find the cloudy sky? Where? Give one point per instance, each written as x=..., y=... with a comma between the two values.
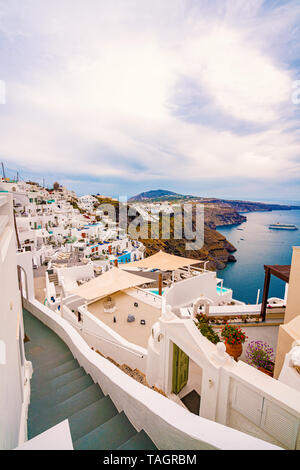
x=123, y=96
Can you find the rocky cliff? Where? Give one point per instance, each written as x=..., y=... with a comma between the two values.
x=218, y=214
x=216, y=249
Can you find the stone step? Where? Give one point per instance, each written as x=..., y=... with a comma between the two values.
x=108, y=436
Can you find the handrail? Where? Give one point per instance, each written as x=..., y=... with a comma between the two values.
x=113, y=342
x=147, y=293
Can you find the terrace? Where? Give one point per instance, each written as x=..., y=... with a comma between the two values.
x=126, y=306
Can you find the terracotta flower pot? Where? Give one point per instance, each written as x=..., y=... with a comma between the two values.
x=266, y=371
x=234, y=350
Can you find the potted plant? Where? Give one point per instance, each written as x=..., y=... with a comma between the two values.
x=260, y=355
x=234, y=338
x=206, y=329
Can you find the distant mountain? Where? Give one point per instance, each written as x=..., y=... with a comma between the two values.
x=238, y=205
x=250, y=206
x=158, y=194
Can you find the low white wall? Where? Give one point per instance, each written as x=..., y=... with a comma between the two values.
x=185, y=292
x=169, y=426
x=269, y=409
x=14, y=391
x=56, y=438
x=86, y=271
x=145, y=296
x=242, y=309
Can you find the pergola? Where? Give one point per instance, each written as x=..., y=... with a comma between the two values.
x=281, y=272
x=164, y=262
x=108, y=283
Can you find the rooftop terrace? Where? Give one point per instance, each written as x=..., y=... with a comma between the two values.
x=134, y=332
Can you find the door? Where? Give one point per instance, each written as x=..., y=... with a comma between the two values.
x=180, y=369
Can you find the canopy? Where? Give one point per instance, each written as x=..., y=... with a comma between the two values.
x=111, y=281
x=163, y=261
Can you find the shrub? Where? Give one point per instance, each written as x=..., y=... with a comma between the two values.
x=206, y=329
x=233, y=334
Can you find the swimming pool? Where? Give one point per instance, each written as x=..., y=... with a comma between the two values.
x=224, y=290
x=155, y=291
x=125, y=258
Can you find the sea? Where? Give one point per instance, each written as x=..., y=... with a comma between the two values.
x=257, y=245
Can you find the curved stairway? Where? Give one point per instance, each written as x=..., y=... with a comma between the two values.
x=61, y=389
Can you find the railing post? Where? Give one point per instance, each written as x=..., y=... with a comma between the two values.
x=265, y=293
x=160, y=284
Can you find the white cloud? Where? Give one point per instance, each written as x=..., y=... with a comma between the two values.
x=102, y=77
x=241, y=80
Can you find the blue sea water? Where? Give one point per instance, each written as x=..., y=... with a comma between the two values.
x=257, y=245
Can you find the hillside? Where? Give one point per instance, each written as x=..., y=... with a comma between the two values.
x=216, y=249
x=237, y=205
x=158, y=194
x=249, y=206
x=219, y=214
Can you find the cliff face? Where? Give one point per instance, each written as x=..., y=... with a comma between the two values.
x=220, y=214
x=216, y=249
x=249, y=206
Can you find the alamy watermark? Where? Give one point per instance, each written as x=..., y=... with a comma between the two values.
x=181, y=222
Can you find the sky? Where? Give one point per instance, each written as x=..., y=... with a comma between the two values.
x=125, y=96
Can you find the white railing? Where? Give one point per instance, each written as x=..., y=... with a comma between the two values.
x=3, y=223
x=125, y=348
x=3, y=199
x=117, y=347
x=71, y=317
x=225, y=310
x=145, y=296
x=4, y=211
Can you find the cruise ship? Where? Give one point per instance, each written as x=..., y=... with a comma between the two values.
x=279, y=226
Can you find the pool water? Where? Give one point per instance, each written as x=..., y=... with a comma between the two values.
x=125, y=258
x=155, y=291
x=224, y=289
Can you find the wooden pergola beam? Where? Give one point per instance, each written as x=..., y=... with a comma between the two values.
x=160, y=283
x=281, y=272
